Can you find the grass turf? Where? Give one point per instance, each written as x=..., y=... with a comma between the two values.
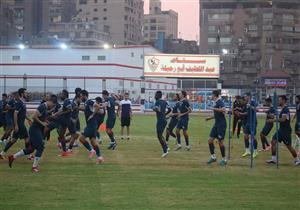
x=135, y=177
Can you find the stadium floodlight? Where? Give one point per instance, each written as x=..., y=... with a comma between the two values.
x=106, y=46
x=63, y=46
x=21, y=46
x=224, y=51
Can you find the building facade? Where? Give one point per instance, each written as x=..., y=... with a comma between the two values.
x=158, y=21
x=122, y=19
x=253, y=37
x=28, y=21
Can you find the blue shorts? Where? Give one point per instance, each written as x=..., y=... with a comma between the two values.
x=72, y=127
x=9, y=122
x=53, y=124
x=90, y=131
x=78, y=125
x=283, y=136
x=21, y=134
x=297, y=127
x=173, y=123
x=110, y=122
x=160, y=126
x=267, y=129
x=218, y=132
x=36, y=137
x=183, y=124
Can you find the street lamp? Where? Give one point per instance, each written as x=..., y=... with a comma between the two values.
x=106, y=46
x=63, y=46
x=21, y=46
x=224, y=51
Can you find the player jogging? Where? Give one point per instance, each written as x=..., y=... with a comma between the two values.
x=91, y=109
x=284, y=133
x=36, y=134
x=268, y=125
x=219, y=129
x=183, y=121
x=160, y=108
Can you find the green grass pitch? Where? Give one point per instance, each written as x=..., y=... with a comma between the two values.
x=136, y=177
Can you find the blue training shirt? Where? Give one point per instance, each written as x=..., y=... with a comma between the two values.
x=111, y=112
x=286, y=125
x=184, y=106
x=160, y=109
x=21, y=108
x=11, y=106
x=219, y=116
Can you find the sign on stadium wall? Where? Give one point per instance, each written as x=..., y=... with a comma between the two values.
x=188, y=66
x=276, y=82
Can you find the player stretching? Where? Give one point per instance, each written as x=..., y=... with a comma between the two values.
x=219, y=129
x=251, y=106
x=20, y=114
x=268, y=125
x=183, y=121
x=284, y=133
x=297, y=125
x=173, y=122
x=126, y=114
x=100, y=117
x=160, y=108
x=110, y=103
x=91, y=110
x=36, y=134
x=9, y=118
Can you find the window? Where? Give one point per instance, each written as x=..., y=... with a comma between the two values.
x=149, y=85
x=125, y=17
x=287, y=17
x=212, y=40
x=218, y=16
x=85, y=58
x=121, y=82
x=101, y=58
x=95, y=10
x=152, y=20
x=158, y=86
x=104, y=9
x=268, y=16
x=105, y=1
x=252, y=27
x=268, y=40
x=82, y=1
x=225, y=40
x=104, y=18
x=287, y=28
x=16, y=58
x=267, y=27
x=132, y=54
x=95, y=18
x=161, y=28
x=96, y=1
x=211, y=28
x=131, y=84
x=153, y=28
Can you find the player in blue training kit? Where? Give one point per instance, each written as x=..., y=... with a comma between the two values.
x=74, y=127
x=125, y=112
x=219, y=129
x=268, y=125
x=246, y=114
x=100, y=117
x=183, y=121
x=110, y=103
x=297, y=125
x=173, y=122
x=284, y=133
x=64, y=120
x=91, y=112
x=36, y=134
x=20, y=115
x=9, y=110
x=160, y=108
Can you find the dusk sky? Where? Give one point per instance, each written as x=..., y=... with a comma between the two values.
x=188, y=14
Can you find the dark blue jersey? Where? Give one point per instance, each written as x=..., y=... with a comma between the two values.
x=67, y=106
x=160, y=108
x=75, y=110
x=219, y=116
x=184, y=106
x=21, y=108
x=10, y=106
x=111, y=112
x=125, y=108
x=88, y=109
x=270, y=113
x=42, y=109
x=298, y=113
x=175, y=109
x=286, y=125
